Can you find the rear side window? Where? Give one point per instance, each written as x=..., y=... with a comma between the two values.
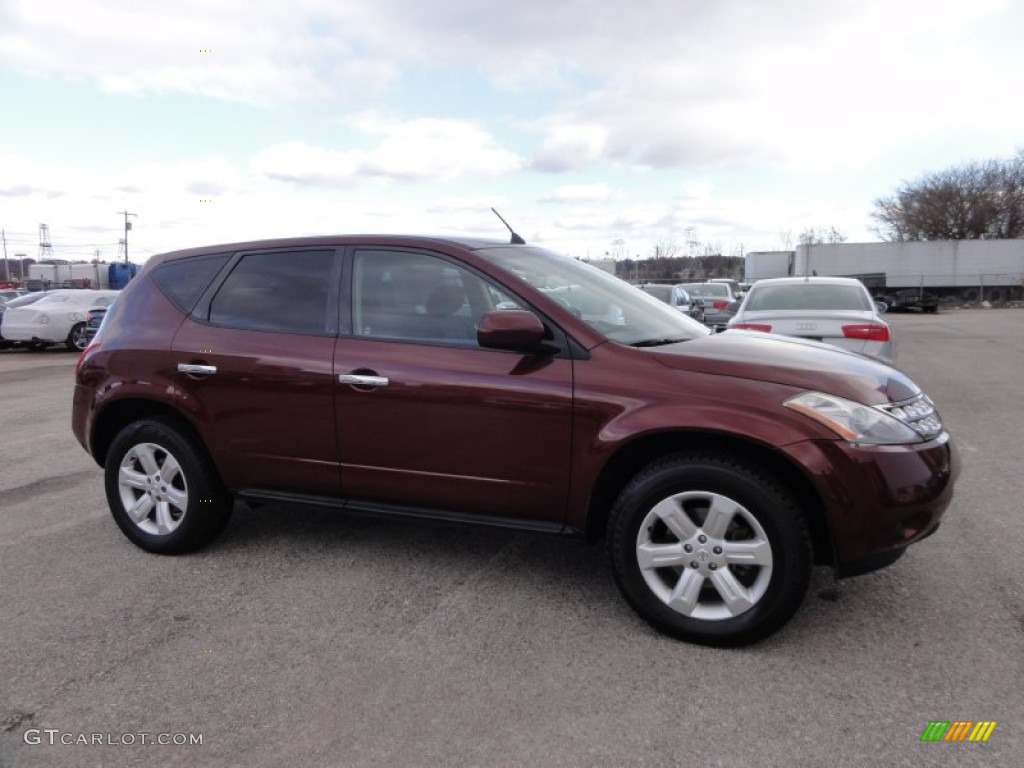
x=184, y=281
x=284, y=291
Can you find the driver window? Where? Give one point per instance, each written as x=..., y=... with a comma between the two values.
x=410, y=296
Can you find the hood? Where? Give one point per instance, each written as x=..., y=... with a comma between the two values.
x=794, y=362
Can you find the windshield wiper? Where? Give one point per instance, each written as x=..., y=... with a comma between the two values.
x=658, y=342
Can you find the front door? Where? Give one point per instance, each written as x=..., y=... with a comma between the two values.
x=425, y=417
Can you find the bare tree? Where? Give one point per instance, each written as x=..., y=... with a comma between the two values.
x=967, y=202
x=815, y=235
x=665, y=248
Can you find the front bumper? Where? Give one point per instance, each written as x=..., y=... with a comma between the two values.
x=879, y=499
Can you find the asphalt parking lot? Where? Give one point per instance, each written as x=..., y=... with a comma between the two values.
x=313, y=638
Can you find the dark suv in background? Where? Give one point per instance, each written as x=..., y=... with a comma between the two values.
x=502, y=384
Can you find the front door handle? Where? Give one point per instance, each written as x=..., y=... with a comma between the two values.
x=362, y=380
x=197, y=370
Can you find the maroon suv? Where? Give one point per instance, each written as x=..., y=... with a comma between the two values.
x=502, y=384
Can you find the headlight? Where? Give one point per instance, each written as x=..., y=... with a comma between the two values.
x=857, y=422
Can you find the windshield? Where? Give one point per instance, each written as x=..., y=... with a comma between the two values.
x=21, y=301
x=806, y=296
x=610, y=306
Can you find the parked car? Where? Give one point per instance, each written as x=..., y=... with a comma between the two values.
x=734, y=285
x=714, y=299
x=93, y=321
x=22, y=300
x=461, y=380
x=727, y=314
x=55, y=317
x=834, y=310
x=675, y=296
x=910, y=300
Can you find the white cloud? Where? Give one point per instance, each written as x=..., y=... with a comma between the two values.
x=411, y=150
x=692, y=94
x=576, y=193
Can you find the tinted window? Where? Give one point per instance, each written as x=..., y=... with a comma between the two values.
x=707, y=290
x=660, y=292
x=807, y=296
x=418, y=297
x=282, y=291
x=184, y=281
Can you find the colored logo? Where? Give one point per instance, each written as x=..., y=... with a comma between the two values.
x=958, y=730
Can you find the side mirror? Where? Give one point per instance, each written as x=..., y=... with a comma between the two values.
x=516, y=330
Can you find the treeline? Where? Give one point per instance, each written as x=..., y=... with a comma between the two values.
x=681, y=269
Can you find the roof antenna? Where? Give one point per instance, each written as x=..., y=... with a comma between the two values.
x=516, y=239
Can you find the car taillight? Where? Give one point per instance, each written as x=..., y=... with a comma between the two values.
x=867, y=331
x=763, y=327
x=719, y=304
x=81, y=358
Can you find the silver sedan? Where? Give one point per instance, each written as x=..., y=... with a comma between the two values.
x=834, y=310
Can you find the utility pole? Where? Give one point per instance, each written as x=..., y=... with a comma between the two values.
x=7, y=266
x=127, y=226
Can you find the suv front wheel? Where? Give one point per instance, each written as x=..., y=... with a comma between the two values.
x=709, y=550
x=162, y=490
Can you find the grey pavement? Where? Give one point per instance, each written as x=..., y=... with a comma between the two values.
x=315, y=638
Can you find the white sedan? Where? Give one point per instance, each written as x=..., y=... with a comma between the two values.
x=835, y=310
x=58, y=317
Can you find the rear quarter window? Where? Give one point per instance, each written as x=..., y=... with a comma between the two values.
x=184, y=281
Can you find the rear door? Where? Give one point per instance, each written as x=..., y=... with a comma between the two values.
x=428, y=419
x=254, y=361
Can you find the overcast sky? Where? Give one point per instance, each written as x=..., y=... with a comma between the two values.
x=593, y=126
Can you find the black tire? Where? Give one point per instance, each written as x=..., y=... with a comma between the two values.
x=756, y=514
x=196, y=505
x=77, y=339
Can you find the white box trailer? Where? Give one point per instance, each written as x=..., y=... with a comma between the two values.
x=758, y=265
x=971, y=270
x=70, y=275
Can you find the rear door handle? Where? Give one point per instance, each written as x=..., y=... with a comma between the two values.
x=197, y=370
x=362, y=380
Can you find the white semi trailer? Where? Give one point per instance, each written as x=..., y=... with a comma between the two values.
x=971, y=270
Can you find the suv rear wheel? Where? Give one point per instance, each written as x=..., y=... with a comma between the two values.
x=709, y=550
x=162, y=490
